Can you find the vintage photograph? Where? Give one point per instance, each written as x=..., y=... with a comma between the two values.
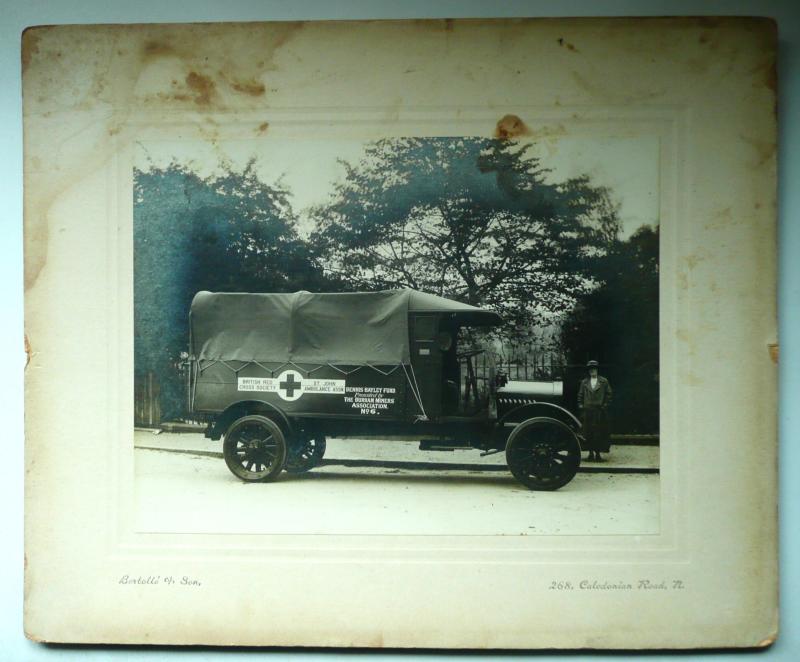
x=416, y=335
x=434, y=334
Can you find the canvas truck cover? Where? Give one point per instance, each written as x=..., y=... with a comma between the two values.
x=352, y=328
x=344, y=329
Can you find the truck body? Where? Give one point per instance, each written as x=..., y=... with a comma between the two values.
x=306, y=366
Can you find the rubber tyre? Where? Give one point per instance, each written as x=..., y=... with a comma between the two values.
x=308, y=454
x=543, y=453
x=254, y=449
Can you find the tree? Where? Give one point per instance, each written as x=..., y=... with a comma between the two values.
x=617, y=324
x=229, y=232
x=469, y=218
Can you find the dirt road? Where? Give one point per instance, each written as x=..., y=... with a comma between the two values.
x=181, y=492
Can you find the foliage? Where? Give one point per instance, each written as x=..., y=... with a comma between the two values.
x=617, y=324
x=477, y=220
x=229, y=232
x=473, y=219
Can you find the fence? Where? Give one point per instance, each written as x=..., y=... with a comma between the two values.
x=147, y=400
x=537, y=367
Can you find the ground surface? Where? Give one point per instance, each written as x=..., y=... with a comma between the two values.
x=181, y=491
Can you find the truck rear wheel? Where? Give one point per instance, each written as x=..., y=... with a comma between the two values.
x=254, y=448
x=305, y=453
x=543, y=453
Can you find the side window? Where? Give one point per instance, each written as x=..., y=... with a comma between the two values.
x=425, y=327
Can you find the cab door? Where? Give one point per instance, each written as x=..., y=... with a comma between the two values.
x=426, y=361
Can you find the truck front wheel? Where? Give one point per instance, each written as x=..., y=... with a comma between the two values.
x=543, y=453
x=254, y=448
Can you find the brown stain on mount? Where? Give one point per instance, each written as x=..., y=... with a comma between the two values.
x=202, y=87
x=774, y=352
x=709, y=39
x=154, y=48
x=196, y=85
x=693, y=260
x=721, y=219
x=208, y=77
x=262, y=128
x=510, y=126
x=288, y=30
x=251, y=87
x=764, y=149
x=30, y=45
x=565, y=44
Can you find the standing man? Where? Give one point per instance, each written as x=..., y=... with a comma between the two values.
x=594, y=396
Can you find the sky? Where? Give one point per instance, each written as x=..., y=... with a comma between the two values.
x=309, y=167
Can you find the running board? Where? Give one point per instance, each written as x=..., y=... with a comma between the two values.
x=437, y=445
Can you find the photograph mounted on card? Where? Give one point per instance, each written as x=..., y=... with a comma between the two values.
x=307, y=318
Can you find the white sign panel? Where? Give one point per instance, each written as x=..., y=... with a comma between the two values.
x=291, y=385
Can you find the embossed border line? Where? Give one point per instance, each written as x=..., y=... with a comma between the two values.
x=669, y=123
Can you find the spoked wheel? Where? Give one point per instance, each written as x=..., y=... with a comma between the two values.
x=543, y=454
x=305, y=453
x=254, y=448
